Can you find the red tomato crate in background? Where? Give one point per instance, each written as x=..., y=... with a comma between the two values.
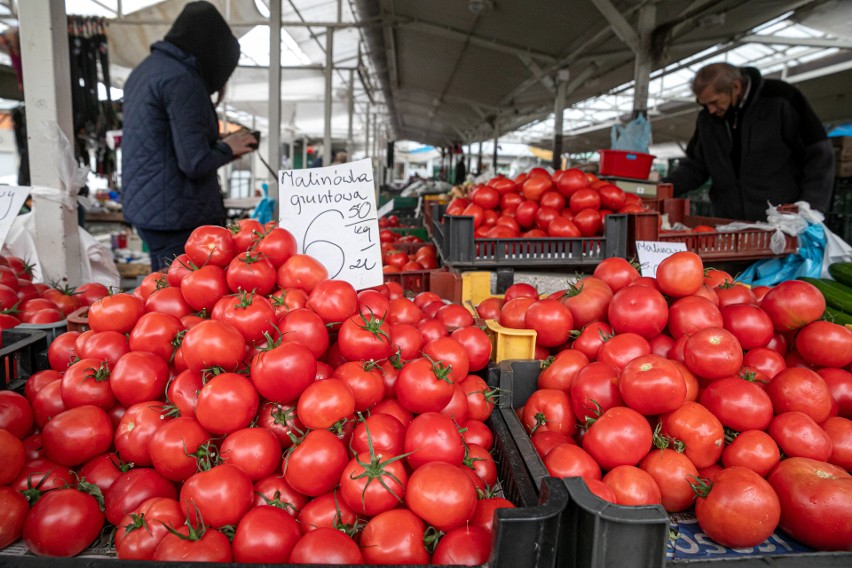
x=744, y=244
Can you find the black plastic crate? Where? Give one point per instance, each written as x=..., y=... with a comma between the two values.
x=453, y=235
x=529, y=536
x=604, y=535
x=23, y=353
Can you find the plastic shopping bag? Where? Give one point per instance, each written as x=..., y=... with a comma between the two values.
x=265, y=208
x=635, y=136
x=817, y=248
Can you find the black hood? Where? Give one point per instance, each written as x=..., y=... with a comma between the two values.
x=203, y=32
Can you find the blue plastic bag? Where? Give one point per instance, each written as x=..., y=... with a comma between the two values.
x=806, y=262
x=635, y=136
x=265, y=208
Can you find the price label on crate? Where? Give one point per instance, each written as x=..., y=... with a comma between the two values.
x=332, y=214
x=652, y=253
x=12, y=198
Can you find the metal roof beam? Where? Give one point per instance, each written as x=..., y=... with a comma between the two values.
x=797, y=41
x=493, y=44
x=538, y=73
x=620, y=25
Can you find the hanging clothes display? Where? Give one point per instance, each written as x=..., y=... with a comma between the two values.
x=92, y=118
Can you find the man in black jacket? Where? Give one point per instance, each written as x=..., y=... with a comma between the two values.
x=171, y=147
x=760, y=143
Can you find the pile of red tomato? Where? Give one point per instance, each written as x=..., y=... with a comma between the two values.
x=568, y=204
x=405, y=253
x=23, y=301
x=300, y=422
x=689, y=389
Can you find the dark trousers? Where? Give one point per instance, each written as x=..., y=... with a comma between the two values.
x=164, y=246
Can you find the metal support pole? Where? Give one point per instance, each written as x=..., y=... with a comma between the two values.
x=252, y=160
x=366, y=121
x=274, y=96
x=642, y=63
x=350, y=143
x=494, y=155
x=375, y=134
x=558, y=112
x=329, y=68
x=479, y=159
x=47, y=94
x=304, y=153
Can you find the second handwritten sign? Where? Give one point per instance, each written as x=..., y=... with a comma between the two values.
x=332, y=213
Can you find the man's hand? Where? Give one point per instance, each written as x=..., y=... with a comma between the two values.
x=241, y=142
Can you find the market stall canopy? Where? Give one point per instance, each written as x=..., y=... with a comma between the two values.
x=464, y=70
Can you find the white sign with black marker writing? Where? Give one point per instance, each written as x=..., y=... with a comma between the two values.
x=12, y=197
x=332, y=214
x=652, y=253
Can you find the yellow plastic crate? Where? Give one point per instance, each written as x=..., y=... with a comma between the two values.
x=509, y=343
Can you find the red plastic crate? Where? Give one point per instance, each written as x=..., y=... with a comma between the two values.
x=621, y=163
x=745, y=244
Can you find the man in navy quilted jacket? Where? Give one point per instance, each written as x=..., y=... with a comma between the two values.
x=171, y=147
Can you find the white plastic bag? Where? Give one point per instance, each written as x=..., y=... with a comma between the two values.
x=635, y=136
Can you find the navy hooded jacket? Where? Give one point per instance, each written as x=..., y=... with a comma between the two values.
x=170, y=146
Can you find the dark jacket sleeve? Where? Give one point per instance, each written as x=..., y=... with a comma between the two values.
x=818, y=162
x=188, y=108
x=690, y=172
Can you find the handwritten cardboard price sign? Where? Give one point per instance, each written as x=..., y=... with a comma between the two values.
x=11, y=199
x=332, y=214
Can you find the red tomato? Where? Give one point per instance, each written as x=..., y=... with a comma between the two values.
x=699, y=430
x=558, y=372
x=442, y=495
x=301, y=271
x=210, y=245
x=740, y=510
x=213, y=343
x=620, y=349
x=548, y=409
x=616, y=272
x=632, y=486
x=551, y=320
x=799, y=389
x=738, y=403
x=839, y=383
x=825, y=344
x=621, y=436
x=588, y=300
x=76, y=435
x=364, y=338
x=435, y=437
x=749, y=324
x=315, y=465
x=798, y=435
x=468, y=546
x=734, y=293
x=265, y=535
x=395, y=536
x=513, y=312
x=767, y=361
x=570, y=460
x=16, y=416
x=221, y=496
x=816, y=502
x=693, y=313
x=584, y=199
x=256, y=451
x=638, y=309
x=680, y=274
x=251, y=273
x=63, y=522
x=754, y=450
x=292, y=360
x=118, y=312
x=139, y=533
x=713, y=353
x=13, y=512
x=536, y=186
x=671, y=470
x=227, y=403
x=793, y=304
x=136, y=428
x=194, y=544
x=326, y=545
x=277, y=245
x=652, y=385
x=139, y=376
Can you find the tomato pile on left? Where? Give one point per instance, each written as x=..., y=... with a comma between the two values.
x=25, y=301
x=242, y=406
